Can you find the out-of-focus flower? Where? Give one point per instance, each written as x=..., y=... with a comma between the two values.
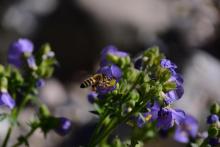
x=138, y=63
x=167, y=117
x=64, y=126
x=40, y=83
x=31, y=62
x=213, y=141
x=112, y=51
x=92, y=96
x=188, y=129
x=148, y=116
x=49, y=54
x=17, y=50
x=213, y=118
x=6, y=99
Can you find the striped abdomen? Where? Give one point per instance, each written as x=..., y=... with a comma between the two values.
x=91, y=81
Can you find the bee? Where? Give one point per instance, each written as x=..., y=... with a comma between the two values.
x=98, y=80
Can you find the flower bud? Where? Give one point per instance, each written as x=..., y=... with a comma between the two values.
x=3, y=83
x=213, y=131
x=63, y=126
x=92, y=97
x=213, y=118
x=215, y=108
x=43, y=111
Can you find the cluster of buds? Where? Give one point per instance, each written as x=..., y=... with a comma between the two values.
x=213, y=138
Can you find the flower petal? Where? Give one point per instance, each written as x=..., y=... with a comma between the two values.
x=181, y=136
x=6, y=99
x=178, y=116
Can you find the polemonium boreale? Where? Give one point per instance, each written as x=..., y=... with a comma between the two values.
x=17, y=50
x=148, y=116
x=110, y=50
x=188, y=129
x=112, y=72
x=64, y=126
x=167, y=117
x=6, y=99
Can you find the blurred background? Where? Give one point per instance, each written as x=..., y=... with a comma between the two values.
x=187, y=31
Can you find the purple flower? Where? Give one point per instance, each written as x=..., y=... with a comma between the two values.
x=7, y=100
x=40, y=83
x=113, y=51
x=188, y=129
x=213, y=118
x=148, y=116
x=31, y=62
x=165, y=63
x=178, y=92
x=49, y=54
x=177, y=78
x=111, y=71
x=174, y=95
x=92, y=97
x=17, y=49
x=64, y=126
x=167, y=117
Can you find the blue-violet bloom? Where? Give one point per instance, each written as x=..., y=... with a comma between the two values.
x=40, y=83
x=188, y=129
x=148, y=116
x=178, y=92
x=173, y=95
x=31, y=62
x=111, y=71
x=167, y=117
x=166, y=63
x=92, y=96
x=113, y=51
x=6, y=99
x=17, y=49
x=64, y=126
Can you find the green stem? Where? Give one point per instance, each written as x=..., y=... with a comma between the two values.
x=16, y=114
x=94, y=139
x=20, y=142
x=5, y=142
x=105, y=133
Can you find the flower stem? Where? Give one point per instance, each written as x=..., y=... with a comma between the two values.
x=5, y=142
x=20, y=142
x=14, y=117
